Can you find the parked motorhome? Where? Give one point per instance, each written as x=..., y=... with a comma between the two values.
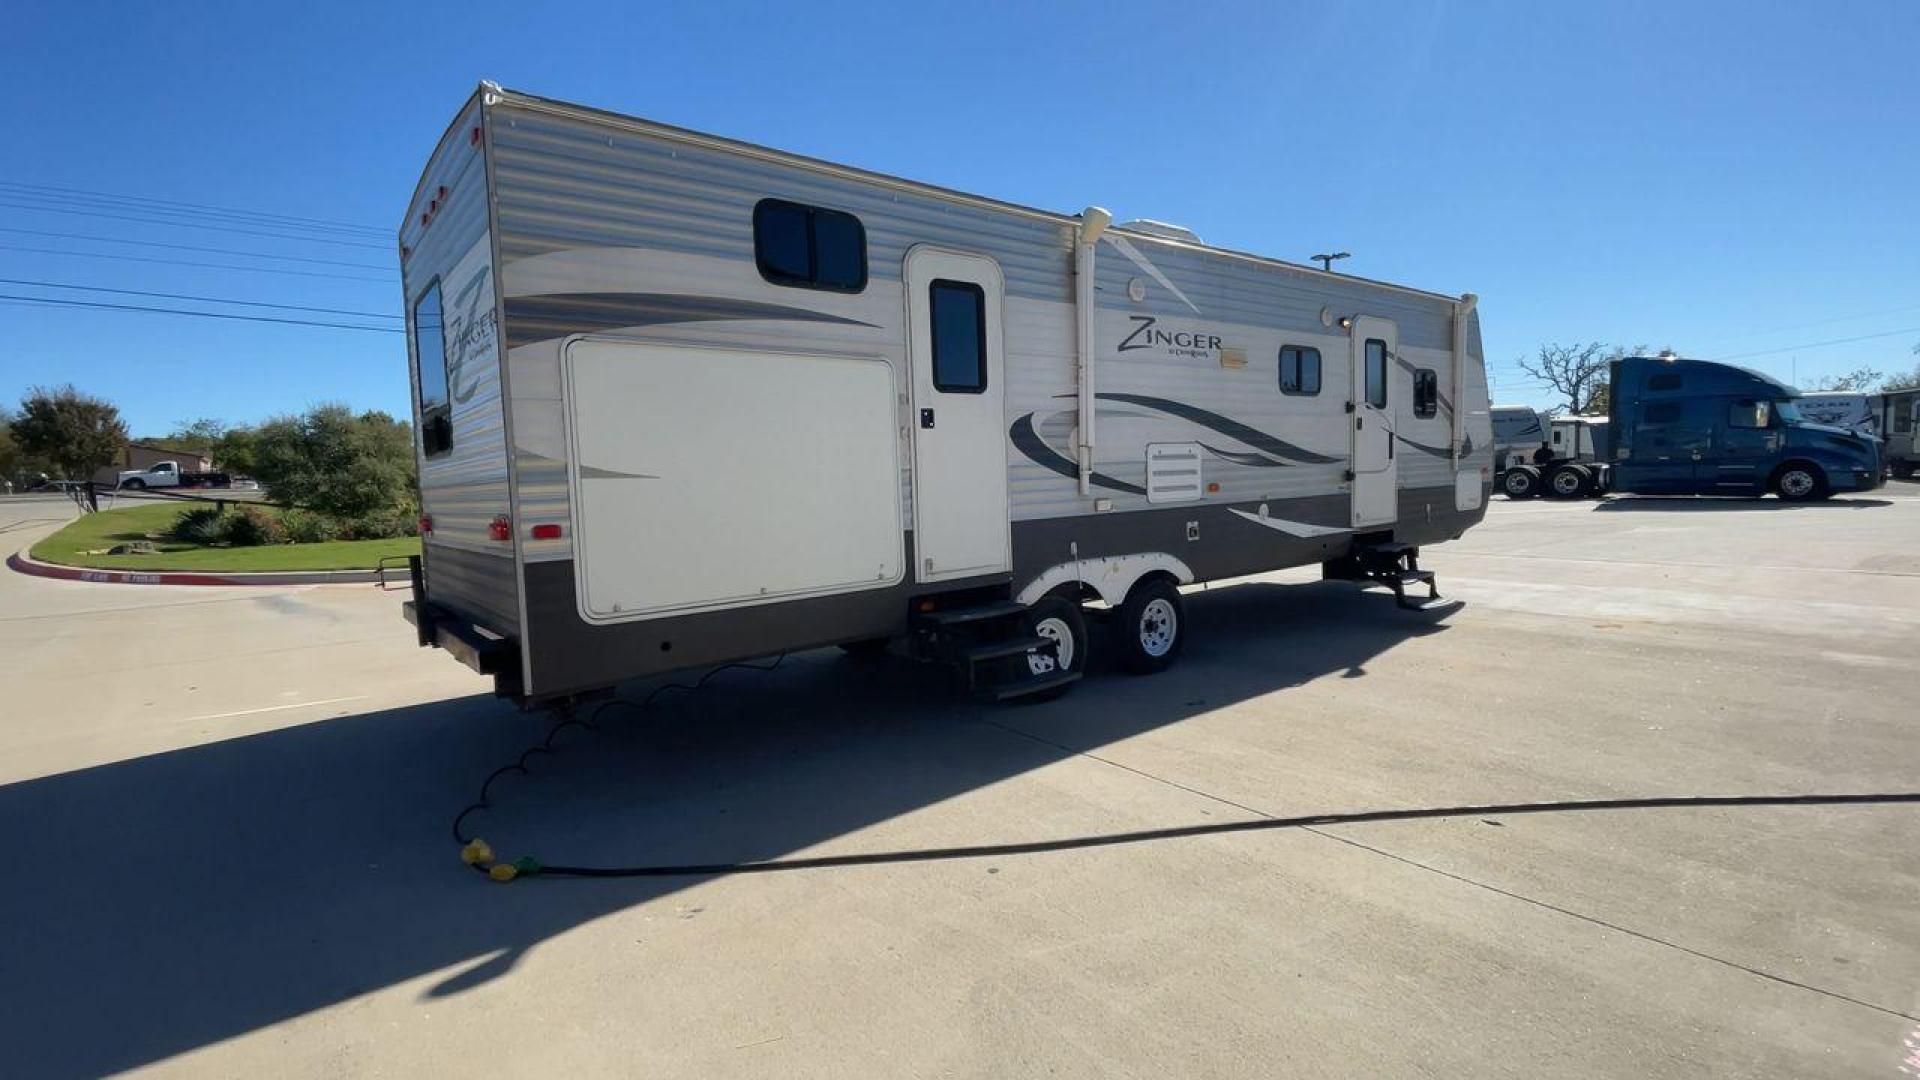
x=1692, y=427
x=1518, y=431
x=683, y=400
x=1900, y=425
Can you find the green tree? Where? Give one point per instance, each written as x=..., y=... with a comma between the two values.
x=327, y=459
x=76, y=433
x=9, y=449
x=233, y=451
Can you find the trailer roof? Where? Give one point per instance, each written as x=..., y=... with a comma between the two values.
x=493, y=93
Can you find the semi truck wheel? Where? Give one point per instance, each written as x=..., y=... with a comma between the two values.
x=1800, y=482
x=1152, y=627
x=1521, y=482
x=1569, y=482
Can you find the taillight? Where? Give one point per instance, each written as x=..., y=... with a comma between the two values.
x=500, y=529
x=549, y=531
x=426, y=524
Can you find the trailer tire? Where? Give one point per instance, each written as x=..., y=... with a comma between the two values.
x=1520, y=482
x=1569, y=482
x=1799, y=481
x=1152, y=627
x=1063, y=621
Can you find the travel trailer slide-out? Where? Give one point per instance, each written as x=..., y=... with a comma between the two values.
x=682, y=400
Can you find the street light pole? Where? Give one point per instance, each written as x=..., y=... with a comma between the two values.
x=1326, y=261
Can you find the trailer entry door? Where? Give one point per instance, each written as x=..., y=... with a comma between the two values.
x=959, y=419
x=1376, y=473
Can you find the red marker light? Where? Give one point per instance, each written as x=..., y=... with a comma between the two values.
x=500, y=529
x=426, y=524
x=549, y=531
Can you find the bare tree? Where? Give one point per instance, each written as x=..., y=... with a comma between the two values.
x=1858, y=380
x=1577, y=372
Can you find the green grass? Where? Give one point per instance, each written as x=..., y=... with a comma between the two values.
x=97, y=532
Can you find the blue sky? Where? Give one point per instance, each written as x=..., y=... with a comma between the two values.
x=1725, y=178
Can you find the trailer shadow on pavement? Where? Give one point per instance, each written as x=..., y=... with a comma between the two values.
x=173, y=901
x=1716, y=504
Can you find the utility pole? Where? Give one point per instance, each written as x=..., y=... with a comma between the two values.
x=1326, y=261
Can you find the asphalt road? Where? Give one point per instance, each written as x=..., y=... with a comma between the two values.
x=226, y=811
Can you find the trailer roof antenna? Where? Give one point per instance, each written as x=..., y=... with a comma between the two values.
x=1326, y=261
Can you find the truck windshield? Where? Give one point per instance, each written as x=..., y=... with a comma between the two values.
x=1787, y=411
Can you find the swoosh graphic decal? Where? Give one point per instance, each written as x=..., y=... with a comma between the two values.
x=1301, y=529
x=1466, y=447
x=1028, y=442
x=589, y=472
x=1258, y=461
x=1231, y=428
x=556, y=315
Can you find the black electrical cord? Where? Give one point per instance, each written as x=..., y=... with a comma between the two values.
x=478, y=855
x=567, y=719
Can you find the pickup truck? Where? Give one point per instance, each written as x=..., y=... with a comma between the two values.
x=168, y=474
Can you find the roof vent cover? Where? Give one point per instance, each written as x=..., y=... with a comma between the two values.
x=1161, y=228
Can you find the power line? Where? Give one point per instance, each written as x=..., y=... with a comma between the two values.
x=1825, y=322
x=151, y=220
x=198, y=314
x=203, y=299
x=190, y=247
x=222, y=210
x=190, y=262
x=1821, y=344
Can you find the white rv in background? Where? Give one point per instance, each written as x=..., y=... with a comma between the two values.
x=683, y=400
x=1900, y=422
x=1858, y=413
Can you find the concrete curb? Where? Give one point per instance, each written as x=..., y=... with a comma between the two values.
x=19, y=561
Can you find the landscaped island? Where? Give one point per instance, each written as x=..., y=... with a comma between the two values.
x=260, y=544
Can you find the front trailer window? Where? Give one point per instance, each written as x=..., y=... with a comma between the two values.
x=430, y=374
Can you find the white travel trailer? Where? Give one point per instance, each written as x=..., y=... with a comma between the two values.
x=683, y=400
x=1518, y=432
x=1900, y=424
x=1858, y=413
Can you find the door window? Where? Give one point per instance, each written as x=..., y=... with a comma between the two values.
x=1747, y=414
x=958, y=311
x=1376, y=373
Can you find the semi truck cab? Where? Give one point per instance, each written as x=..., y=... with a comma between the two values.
x=1693, y=427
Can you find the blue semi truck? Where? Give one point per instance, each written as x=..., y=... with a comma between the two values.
x=1693, y=427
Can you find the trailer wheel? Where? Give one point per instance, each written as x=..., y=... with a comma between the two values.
x=1569, y=482
x=1798, y=481
x=1152, y=627
x=1521, y=482
x=1063, y=622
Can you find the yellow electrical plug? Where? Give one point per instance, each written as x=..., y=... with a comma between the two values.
x=476, y=852
x=502, y=872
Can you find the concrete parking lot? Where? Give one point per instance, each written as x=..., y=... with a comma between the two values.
x=225, y=814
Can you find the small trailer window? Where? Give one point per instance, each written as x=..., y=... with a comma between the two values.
x=1299, y=370
x=1376, y=373
x=808, y=247
x=958, y=311
x=1426, y=394
x=430, y=381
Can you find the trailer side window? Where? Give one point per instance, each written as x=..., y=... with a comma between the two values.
x=809, y=247
x=1299, y=370
x=1747, y=414
x=1426, y=393
x=1376, y=373
x=1665, y=380
x=958, y=311
x=430, y=374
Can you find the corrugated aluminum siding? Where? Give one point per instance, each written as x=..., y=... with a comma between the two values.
x=465, y=489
